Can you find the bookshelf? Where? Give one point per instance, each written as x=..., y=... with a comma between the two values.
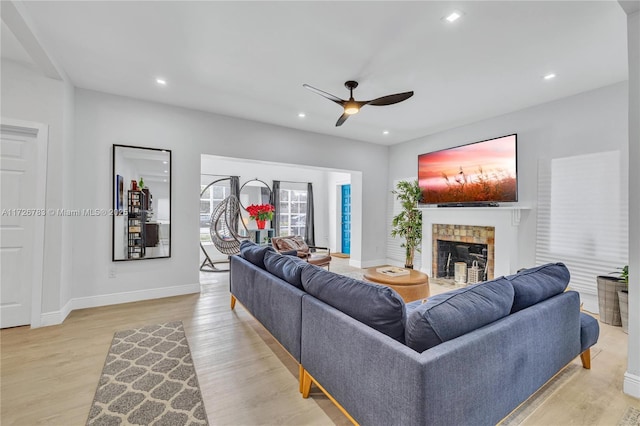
x=136, y=224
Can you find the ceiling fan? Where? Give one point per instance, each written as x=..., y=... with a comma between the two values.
x=352, y=106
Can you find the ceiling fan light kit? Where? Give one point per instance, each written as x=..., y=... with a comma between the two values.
x=351, y=106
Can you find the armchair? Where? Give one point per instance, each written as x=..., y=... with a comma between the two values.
x=303, y=251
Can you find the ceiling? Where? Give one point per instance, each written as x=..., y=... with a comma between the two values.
x=250, y=59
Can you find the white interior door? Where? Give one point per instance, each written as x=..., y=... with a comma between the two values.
x=22, y=220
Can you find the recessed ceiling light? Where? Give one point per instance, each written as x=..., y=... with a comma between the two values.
x=385, y=132
x=302, y=115
x=166, y=171
x=161, y=81
x=164, y=180
x=165, y=162
x=549, y=76
x=453, y=16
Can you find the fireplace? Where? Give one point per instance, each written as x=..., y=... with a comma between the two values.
x=497, y=227
x=457, y=244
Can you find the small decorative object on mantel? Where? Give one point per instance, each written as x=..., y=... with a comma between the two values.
x=261, y=213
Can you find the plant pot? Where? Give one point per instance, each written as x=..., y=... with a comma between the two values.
x=261, y=223
x=623, y=298
x=608, y=304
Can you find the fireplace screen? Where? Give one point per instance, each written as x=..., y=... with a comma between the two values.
x=451, y=253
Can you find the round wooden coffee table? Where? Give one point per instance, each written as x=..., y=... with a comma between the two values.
x=414, y=286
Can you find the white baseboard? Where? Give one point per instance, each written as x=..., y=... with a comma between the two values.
x=631, y=385
x=57, y=317
x=367, y=263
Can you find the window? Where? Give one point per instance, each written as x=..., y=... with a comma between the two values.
x=209, y=201
x=582, y=216
x=292, y=211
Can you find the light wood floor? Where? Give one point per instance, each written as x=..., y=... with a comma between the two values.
x=49, y=375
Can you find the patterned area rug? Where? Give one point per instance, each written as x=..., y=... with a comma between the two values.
x=631, y=417
x=149, y=379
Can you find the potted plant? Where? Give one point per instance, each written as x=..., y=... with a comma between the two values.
x=623, y=298
x=408, y=223
x=261, y=213
x=608, y=301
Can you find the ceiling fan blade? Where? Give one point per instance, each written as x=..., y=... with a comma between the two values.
x=324, y=94
x=391, y=99
x=342, y=119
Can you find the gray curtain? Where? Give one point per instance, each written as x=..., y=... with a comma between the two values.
x=309, y=230
x=274, y=200
x=234, y=185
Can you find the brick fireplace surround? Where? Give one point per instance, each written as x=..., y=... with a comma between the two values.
x=504, y=219
x=465, y=234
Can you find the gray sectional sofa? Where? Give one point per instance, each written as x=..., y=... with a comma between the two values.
x=466, y=357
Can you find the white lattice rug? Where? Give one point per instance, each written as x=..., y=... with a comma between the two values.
x=149, y=378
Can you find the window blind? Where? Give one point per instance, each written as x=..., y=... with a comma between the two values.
x=582, y=216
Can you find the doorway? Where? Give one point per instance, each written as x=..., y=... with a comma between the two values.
x=346, y=219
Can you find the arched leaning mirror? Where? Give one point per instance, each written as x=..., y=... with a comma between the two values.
x=254, y=191
x=141, y=226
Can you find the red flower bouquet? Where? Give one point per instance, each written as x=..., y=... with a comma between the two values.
x=261, y=211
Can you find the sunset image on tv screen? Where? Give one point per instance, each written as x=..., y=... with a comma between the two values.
x=478, y=172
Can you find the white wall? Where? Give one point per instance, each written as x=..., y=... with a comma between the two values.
x=590, y=122
x=102, y=120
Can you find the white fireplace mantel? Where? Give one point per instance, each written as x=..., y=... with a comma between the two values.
x=505, y=220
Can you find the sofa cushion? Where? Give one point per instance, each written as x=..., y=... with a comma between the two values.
x=589, y=331
x=537, y=284
x=449, y=315
x=254, y=253
x=288, y=268
x=375, y=305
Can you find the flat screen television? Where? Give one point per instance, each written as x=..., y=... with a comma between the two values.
x=480, y=173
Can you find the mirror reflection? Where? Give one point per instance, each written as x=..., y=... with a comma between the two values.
x=142, y=202
x=254, y=191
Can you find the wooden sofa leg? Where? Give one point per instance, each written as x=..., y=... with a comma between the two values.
x=233, y=302
x=300, y=376
x=305, y=383
x=585, y=357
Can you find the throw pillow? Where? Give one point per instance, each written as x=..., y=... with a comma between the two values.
x=254, y=253
x=537, y=284
x=449, y=315
x=293, y=243
x=375, y=305
x=287, y=268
